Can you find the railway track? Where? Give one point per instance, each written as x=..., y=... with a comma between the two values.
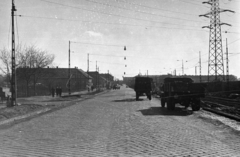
x=225, y=107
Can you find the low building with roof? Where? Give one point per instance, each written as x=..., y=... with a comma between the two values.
x=40, y=81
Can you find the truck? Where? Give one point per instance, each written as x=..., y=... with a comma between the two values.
x=143, y=85
x=183, y=91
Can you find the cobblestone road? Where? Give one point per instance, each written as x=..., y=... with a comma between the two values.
x=114, y=124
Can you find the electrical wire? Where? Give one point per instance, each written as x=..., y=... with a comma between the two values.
x=233, y=41
x=122, y=1
x=105, y=23
x=139, y=19
x=110, y=63
x=9, y=31
x=143, y=12
x=193, y=3
x=97, y=44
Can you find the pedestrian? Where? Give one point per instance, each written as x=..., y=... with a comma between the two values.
x=60, y=91
x=57, y=91
x=53, y=92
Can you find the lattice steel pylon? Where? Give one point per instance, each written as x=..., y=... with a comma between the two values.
x=215, y=60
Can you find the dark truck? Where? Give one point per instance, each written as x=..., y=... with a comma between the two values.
x=143, y=85
x=183, y=91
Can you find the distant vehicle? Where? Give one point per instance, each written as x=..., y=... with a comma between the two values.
x=234, y=96
x=143, y=85
x=116, y=86
x=183, y=91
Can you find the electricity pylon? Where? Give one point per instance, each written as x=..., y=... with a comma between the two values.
x=215, y=59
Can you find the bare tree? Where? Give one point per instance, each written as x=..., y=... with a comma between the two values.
x=29, y=62
x=5, y=58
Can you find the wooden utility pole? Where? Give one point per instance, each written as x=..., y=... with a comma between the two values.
x=96, y=75
x=88, y=71
x=69, y=72
x=13, y=80
x=200, y=68
x=227, y=65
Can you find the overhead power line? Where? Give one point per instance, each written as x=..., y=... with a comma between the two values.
x=193, y=3
x=139, y=19
x=124, y=1
x=97, y=44
x=107, y=23
x=143, y=12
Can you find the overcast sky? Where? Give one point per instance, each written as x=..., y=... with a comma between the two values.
x=158, y=34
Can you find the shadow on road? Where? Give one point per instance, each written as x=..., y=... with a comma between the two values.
x=129, y=100
x=155, y=111
x=125, y=100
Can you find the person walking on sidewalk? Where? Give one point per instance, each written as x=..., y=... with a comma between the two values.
x=60, y=91
x=53, y=92
x=57, y=91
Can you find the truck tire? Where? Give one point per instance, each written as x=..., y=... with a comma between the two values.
x=196, y=105
x=149, y=96
x=163, y=102
x=137, y=96
x=170, y=104
x=185, y=103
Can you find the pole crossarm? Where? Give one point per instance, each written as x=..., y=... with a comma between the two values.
x=220, y=11
x=219, y=24
x=207, y=2
x=205, y=15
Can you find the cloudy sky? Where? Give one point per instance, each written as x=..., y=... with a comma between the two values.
x=158, y=34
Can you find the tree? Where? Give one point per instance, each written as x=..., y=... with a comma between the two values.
x=29, y=63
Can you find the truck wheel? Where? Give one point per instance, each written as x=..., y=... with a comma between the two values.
x=170, y=104
x=149, y=96
x=137, y=96
x=185, y=103
x=162, y=102
x=196, y=105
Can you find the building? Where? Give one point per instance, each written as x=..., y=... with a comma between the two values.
x=40, y=81
x=109, y=78
x=97, y=80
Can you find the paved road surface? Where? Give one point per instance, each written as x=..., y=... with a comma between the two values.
x=114, y=124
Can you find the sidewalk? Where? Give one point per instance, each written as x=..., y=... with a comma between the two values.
x=31, y=106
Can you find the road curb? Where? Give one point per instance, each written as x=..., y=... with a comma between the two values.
x=24, y=116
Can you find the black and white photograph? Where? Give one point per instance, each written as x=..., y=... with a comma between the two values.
x=119, y=78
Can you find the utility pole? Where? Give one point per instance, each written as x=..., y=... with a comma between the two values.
x=182, y=68
x=215, y=60
x=96, y=75
x=13, y=80
x=227, y=68
x=88, y=70
x=108, y=80
x=69, y=72
x=200, y=68
x=195, y=70
x=98, y=79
